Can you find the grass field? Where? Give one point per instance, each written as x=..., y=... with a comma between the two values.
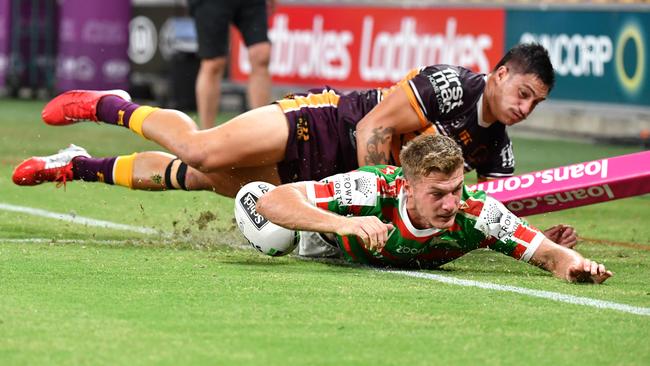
x=193, y=294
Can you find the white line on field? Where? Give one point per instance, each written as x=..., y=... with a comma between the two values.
x=555, y=296
x=76, y=219
x=60, y=241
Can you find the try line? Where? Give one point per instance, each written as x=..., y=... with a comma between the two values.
x=555, y=296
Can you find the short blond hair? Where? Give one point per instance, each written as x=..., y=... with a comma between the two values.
x=428, y=153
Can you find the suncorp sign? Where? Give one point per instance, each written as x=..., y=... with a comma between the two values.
x=599, y=56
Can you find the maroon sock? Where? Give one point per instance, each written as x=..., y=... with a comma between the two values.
x=115, y=110
x=93, y=169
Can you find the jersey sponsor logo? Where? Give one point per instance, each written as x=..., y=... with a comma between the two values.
x=302, y=129
x=448, y=89
x=401, y=249
x=355, y=189
x=507, y=226
x=507, y=156
x=249, y=202
x=496, y=220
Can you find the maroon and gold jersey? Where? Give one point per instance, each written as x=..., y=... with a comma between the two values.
x=448, y=100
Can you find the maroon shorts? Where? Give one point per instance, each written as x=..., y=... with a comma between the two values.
x=321, y=133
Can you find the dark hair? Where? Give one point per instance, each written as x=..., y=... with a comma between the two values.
x=530, y=58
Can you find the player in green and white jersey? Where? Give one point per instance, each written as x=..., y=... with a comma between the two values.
x=420, y=215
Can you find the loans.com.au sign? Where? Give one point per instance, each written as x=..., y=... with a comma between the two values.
x=599, y=56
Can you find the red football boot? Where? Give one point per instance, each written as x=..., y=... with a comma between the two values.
x=53, y=168
x=76, y=105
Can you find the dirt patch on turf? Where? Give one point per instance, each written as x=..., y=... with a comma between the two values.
x=617, y=243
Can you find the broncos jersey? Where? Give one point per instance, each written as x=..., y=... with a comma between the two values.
x=482, y=222
x=448, y=100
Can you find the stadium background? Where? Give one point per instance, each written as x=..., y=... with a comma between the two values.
x=74, y=293
x=600, y=50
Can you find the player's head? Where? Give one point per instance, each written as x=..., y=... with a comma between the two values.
x=433, y=168
x=520, y=80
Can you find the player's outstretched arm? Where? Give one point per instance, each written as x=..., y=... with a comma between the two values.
x=288, y=206
x=568, y=264
x=393, y=116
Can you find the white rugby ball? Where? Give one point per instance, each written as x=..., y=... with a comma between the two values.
x=261, y=233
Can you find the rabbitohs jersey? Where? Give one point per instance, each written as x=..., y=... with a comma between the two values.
x=448, y=100
x=482, y=221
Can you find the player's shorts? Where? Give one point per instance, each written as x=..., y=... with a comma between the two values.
x=213, y=19
x=322, y=138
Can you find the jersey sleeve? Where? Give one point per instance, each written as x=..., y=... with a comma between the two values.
x=510, y=234
x=499, y=165
x=353, y=193
x=441, y=91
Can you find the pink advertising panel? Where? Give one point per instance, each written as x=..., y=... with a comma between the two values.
x=573, y=185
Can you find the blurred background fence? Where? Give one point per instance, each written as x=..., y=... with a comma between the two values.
x=599, y=50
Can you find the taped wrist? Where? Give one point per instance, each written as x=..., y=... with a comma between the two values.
x=175, y=175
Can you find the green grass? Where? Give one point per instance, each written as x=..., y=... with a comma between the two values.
x=200, y=298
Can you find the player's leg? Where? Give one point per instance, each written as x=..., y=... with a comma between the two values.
x=208, y=90
x=150, y=171
x=259, y=80
x=154, y=170
x=250, y=17
x=212, y=21
x=255, y=138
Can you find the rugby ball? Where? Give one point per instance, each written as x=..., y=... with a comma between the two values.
x=261, y=233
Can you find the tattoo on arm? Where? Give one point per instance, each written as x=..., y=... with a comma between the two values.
x=377, y=141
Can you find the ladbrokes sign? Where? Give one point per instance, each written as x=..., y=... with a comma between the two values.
x=368, y=47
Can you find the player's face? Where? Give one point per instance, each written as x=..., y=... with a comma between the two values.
x=434, y=200
x=516, y=95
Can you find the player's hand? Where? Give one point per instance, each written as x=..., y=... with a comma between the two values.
x=369, y=229
x=588, y=271
x=564, y=235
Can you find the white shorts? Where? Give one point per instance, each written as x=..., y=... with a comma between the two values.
x=313, y=245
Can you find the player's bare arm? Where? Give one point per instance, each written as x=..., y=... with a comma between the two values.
x=288, y=206
x=393, y=116
x=568, y=264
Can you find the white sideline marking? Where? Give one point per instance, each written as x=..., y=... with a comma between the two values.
x=555, y=296
x=76, y=219
x=60, y=241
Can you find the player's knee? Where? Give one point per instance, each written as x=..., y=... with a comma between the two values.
x=176, y=175
x=197, y=159
x=260, y=56
x=214, y=65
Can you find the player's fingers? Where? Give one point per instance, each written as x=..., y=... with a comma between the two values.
x=551, y=232
x=361, y=234
x=372, y=235
x=586, y=265
x=594, y=268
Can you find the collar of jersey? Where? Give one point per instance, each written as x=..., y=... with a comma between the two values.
x=418, y=233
